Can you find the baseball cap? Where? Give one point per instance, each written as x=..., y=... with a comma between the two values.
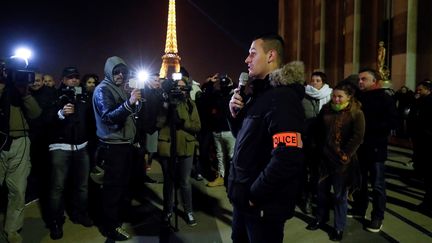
x=70, y=71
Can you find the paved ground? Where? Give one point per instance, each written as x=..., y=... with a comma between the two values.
x=213, y=212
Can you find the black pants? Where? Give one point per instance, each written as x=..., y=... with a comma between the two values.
x=117, y=160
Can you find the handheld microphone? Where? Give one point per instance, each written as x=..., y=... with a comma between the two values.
x=243, y=80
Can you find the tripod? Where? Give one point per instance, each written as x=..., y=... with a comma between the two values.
x=172, y=114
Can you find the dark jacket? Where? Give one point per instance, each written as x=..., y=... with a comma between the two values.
x=73, y=129
x=381, y=117
x=215, y=107
x=264, y=172
x=113, y=113
x=420, y=119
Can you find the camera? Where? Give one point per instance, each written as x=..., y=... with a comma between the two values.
x=71, y=95
x=173, y=93
x=12, y=71
x=225, y=80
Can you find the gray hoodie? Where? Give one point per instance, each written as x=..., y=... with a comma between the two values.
x=113, y=113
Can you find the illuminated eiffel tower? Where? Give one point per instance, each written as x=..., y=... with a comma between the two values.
x=171, y=59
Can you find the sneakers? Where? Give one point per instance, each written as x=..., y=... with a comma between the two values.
x=374, y=226
x=13, y=237
x=190, y=219
x=56, y=231
x=354, y=214
x=82, y=220
x=219, y=181
x=118, y=234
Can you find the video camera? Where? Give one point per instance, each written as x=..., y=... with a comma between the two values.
x=173, y=93
x=71, y=95
x=14, y=71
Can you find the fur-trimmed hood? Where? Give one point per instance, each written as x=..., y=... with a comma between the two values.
x=291, y=73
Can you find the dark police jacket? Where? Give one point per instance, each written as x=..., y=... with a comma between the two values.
x=267, y=161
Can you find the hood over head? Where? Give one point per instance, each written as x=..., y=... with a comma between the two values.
x=110, y=64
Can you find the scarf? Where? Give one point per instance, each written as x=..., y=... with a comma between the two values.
x=323, y=94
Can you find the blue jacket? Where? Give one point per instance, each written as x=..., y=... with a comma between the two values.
x=113, y=113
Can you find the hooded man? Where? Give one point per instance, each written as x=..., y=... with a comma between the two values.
x=115, y=110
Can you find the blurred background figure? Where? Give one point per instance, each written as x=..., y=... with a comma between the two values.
x=420, y=127
x=317, y=94
x=90, y=81
x=404, y=101
x=49, y=81
x=215, y=103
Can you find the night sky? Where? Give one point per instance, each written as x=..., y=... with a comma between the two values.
x=213, y=36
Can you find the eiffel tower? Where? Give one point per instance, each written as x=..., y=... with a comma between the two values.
x=171, y=59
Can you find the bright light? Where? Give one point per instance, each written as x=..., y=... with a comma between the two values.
x=143, y=75
x=177, y=76
x=22, y=53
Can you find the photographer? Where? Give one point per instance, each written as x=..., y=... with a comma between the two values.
x=16, y=107
x=217, y=92
x=69, y=156
x=182, y=114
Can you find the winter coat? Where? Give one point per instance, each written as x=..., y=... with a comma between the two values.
x=342, y=134
x=188, y=125
x=265, y=170
x=113, y=112
x=379, y=110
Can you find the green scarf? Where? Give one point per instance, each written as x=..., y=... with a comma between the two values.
x=339, y=107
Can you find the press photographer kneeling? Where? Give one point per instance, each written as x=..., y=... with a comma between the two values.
x=176, y=148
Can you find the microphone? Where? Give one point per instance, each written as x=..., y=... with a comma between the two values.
x=243, y=80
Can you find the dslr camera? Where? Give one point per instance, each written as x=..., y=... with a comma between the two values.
x=71, y=95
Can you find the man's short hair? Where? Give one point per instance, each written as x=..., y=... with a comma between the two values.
x=273, y=42
x=372, y=72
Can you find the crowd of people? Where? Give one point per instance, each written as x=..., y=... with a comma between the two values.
x=282, y=142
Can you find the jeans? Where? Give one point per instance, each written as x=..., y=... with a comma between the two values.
x=340, y=201
x=179, y=174
x=375, y=173
x=253, y=229
x=117, y=162
x=14, y=169
x=224, y=144
x=74, y=166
